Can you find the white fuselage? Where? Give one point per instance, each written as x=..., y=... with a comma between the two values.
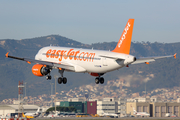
x=85, y=60
x=110, y=114
x=142, y=114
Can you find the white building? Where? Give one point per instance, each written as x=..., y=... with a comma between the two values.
x=122, y=106
x=112, y=105
x=76, y=99
x=139, y=100
x=155, y=99
x=111, y=99
x=143, y=99
x=178, y=100
x=106, y=106
x=94, y=99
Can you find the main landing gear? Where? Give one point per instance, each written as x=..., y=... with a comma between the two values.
x=62, y=79
x=99, y=80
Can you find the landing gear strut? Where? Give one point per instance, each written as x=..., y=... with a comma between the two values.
x=99, y=79
x=62, y=79
x=48, y=77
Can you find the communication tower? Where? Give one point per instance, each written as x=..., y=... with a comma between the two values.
x=20, y=97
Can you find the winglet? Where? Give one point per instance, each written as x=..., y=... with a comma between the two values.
x=7, y=54
x=124, y=44
x=28, y=62
x=175, y=55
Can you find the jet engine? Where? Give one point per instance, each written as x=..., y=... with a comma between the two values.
x=40, y=70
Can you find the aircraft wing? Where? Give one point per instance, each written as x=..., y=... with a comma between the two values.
x=151, y=59
x=51, y=64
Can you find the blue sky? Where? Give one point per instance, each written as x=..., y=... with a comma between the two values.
x=91, y=21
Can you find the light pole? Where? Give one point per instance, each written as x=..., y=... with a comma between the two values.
x=25, y=88
x=55, y=77
x=145, y=89
x=51, y=93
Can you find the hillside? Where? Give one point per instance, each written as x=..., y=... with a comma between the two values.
x=165, y=72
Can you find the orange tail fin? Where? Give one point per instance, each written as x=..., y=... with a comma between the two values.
x=124, y=43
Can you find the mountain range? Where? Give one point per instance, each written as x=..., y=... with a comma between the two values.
x=162, y=73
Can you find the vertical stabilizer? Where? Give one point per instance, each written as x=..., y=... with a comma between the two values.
x=124, y=43
x=135, y=112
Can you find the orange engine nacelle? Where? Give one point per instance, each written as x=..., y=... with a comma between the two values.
x=40, y=70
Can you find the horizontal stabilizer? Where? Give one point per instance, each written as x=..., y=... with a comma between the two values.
x=151, y=59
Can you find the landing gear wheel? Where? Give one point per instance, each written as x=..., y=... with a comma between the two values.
x=64, y=80
x=60, y=80
x=97, y=80
x=101, y=80
x=48, y=77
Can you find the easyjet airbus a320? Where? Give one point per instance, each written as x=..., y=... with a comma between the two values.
x=94, y=62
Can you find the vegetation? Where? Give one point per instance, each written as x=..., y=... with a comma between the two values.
x=62, y=109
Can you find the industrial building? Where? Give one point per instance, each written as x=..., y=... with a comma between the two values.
x=159, y=109
x=153, y=106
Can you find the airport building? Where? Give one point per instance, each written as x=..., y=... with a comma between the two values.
x=107, y=105
x=77, y=105
x=89, y=107
x=4, y=109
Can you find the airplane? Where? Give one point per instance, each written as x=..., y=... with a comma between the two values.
x=33, y=114
x=109, y=114
x=142, y=114
x=94, y=62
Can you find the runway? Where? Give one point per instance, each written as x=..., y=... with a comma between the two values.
x=106, y=118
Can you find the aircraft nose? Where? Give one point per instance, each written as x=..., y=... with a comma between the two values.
x=134, y=58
